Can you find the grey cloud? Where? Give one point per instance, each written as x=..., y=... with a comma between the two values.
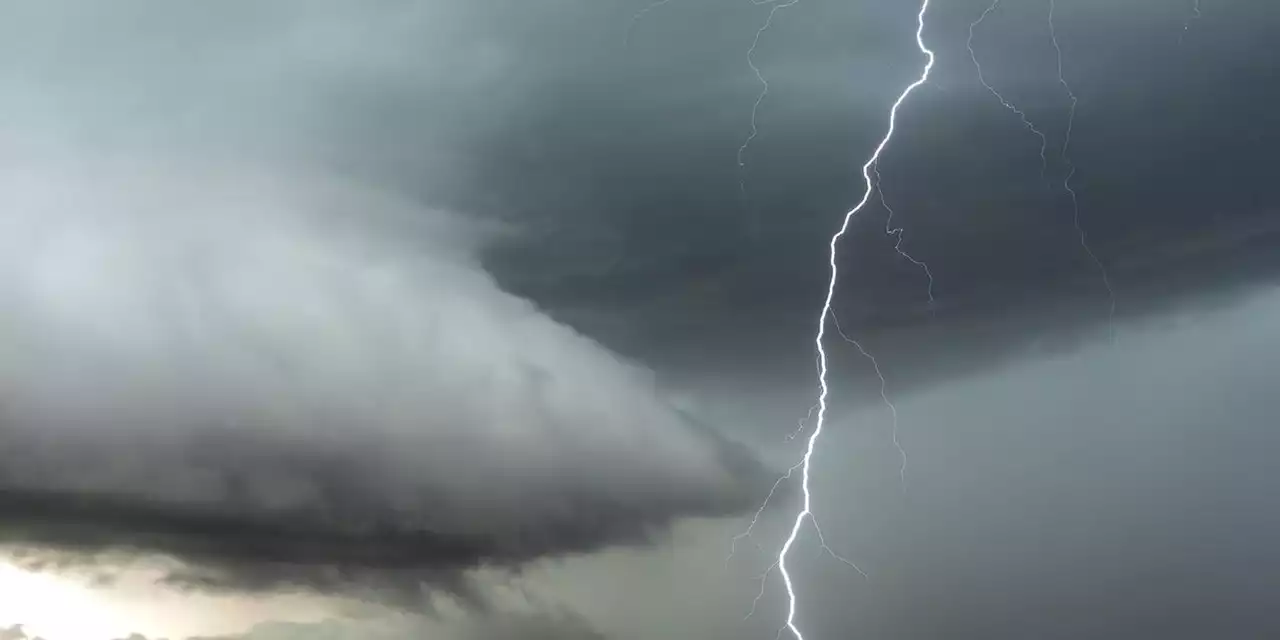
x=1111, y=490
x=617, y=166
x=1114, y=491
x=235, y=333
x=687, y=254
x=617, y=158
x=273, y=373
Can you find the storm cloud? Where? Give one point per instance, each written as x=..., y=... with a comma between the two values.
x=251, y=366
x=351, y=295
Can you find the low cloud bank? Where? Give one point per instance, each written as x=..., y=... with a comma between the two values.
x=282, y=379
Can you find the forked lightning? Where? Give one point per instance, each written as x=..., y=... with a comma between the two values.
x=872, y=185
x=778, y=5
x=1065, y=155
x=1071, y=172
x=806, y=511
x=1022, y=115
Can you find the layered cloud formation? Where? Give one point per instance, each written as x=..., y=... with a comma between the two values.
x=273, y=375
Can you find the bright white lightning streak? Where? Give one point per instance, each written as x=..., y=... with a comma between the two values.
x=806, y=511
x=1071, y=172
x=755, y=519
x=763, y=577
x=764, y=84
x=1026, y=122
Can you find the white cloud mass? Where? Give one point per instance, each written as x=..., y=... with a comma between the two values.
x=269, y=346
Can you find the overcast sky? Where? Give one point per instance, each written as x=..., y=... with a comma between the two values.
x=491, y=319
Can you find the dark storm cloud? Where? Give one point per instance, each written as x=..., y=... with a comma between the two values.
x=1175, y=198
x=234, y=336
x=282, y=380
x=616, y=156
x=613, y=170
x=663, y=251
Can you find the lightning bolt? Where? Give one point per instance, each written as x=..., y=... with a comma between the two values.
x=1044, y=142
x=884, y=396
x=1071, y=172
x=764, y=85
x=778, y=5
x=891, y=230
x=1026, y=122
x=806, y=511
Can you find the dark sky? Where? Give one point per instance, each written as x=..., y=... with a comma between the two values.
x=620, y=157
x=1072, y=472
x=1161, y=163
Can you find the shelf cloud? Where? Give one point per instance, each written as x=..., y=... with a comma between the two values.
x=282, y=379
